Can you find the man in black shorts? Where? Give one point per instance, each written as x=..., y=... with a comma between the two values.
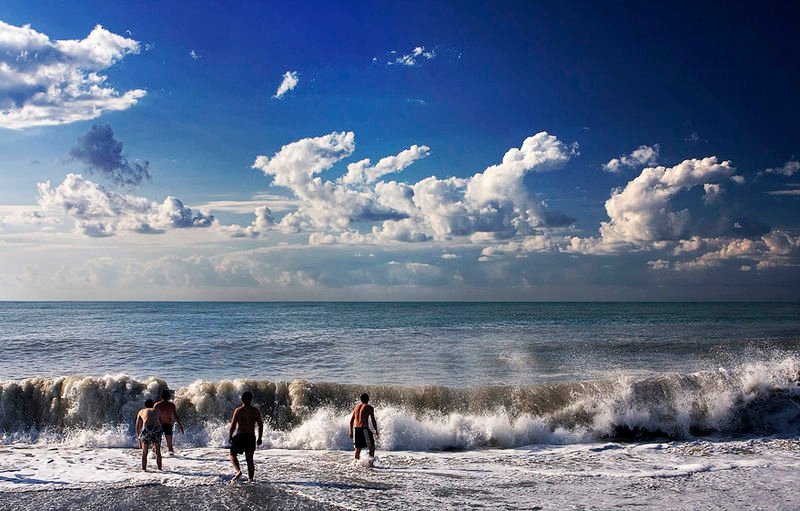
x=241, y=435
x=359, y=427
x=169, y=416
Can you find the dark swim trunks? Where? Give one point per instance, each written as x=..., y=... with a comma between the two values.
x=150, y=435
x=362, y=438
x=167, y=428
x=243, y=442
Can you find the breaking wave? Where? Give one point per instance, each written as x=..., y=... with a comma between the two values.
x=757, y=398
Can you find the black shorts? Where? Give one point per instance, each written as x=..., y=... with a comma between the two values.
x=167, y=428
x=243, y=442
x=362, y=438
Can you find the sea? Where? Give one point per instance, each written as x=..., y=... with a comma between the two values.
x=479, y=405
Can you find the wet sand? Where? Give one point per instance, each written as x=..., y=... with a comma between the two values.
x=262, y=496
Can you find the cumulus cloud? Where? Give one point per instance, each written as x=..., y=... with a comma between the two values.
x=788, y=169
x=495, y=201
x=643, y=155
x=643, y=212
x=417, y=55
x=262, y=223
x=290, y=81
x=362, y=173
x=100, y=213
x=45, y=82
x=775, y=249
x=103, y=154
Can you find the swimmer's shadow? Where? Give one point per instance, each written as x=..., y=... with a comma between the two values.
x=28, y=480
x=336, y=486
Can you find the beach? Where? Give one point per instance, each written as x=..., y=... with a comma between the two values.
x=513, y=406
x=758, y=474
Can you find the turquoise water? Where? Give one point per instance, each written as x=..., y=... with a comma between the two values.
x=451, y=344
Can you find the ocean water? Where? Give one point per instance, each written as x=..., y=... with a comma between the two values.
x=529, y=395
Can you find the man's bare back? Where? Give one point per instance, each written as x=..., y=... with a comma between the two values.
x=167, y=411
x=150, y=417
x=245, y=419
x=244, y=441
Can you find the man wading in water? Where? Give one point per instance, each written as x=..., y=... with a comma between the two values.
x=148, y=431
x=359, y=427
x=244, y=440
x=169, y=416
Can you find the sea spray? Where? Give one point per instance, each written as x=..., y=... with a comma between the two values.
x=756, y=398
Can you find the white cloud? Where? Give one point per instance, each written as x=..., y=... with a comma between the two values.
x=417, y=55
x=642, y=212
x=362, y=173
x=495, y=201
x=290, y=81
x=659, y=264
x=99, y=212
x=713, y=191
x=195, y=55
x=643, y=155
x=274, y=202
x=791, y=193
x=45, y=82
x=788, y=169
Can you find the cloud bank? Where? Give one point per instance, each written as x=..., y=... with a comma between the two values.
x=45, y=82
x=494, y=202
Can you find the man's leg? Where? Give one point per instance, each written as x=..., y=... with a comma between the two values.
x=251, y=467
x=145, y=450
x=358, y=452
x=235, y=463
x=169, y=443
x=157, y=449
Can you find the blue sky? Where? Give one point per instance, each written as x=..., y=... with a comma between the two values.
x=651, y=151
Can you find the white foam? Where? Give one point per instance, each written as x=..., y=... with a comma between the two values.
x=759, y=472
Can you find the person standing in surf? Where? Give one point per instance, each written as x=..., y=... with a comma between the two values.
x=148, y=431
x=359, y=427
x=169, y=416
x=241, y=435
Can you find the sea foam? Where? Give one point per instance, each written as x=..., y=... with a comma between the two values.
x=756, y=398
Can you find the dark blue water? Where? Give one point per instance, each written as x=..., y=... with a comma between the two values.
x=453, y=344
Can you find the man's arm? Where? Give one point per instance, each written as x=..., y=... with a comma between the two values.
x=352, y=420
x=374, y=422
x=232, y=427
x=139, y=423
x=260, y=426
x=177, y=419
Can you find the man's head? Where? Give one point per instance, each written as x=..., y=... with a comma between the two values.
x=165, y=394
x=149, y=403
x=365, y=398
x=247, y=397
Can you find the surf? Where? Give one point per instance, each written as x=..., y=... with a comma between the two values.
x=757, y=398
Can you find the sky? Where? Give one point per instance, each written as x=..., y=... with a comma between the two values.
x=399, y=151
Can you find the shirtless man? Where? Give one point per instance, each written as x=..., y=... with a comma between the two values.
x=359, y=427
x=169, y=416
x=241, y=435
x=148, y=431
